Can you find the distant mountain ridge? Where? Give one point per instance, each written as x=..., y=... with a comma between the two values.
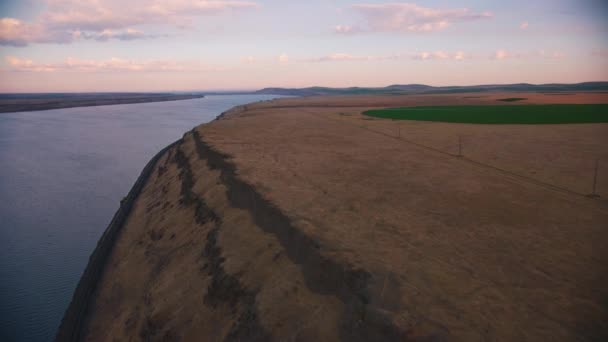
x=426, y=89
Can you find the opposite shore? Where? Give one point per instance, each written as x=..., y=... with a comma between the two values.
x=35, y=102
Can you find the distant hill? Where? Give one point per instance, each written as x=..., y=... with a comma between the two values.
x=426, y=89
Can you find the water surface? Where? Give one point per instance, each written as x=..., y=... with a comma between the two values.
x=62, y=175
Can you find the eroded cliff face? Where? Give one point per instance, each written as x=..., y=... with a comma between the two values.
x=204, y=256
x=287, y=221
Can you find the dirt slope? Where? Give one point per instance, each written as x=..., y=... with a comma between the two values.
x=299, y=219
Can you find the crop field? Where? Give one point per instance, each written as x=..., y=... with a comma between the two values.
x=514, y=114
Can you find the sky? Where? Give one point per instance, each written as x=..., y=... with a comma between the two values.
x=193, y=45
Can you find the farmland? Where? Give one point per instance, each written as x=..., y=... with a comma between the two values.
x=488, y=114
x=283, y=212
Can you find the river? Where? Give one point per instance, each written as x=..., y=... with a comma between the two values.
x=62, y=175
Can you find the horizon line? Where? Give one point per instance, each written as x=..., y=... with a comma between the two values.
x=245, y=91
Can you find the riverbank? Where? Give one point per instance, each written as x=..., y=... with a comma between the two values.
x=34, y=102
x=72, y=322
x=303, y=219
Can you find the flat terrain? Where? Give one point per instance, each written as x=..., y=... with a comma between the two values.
x=32, y=102
x=517, y=114
x=302, y=219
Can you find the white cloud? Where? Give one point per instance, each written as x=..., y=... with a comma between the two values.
x=64, y=21
x=524, y=25
x=283, y=58
x=112, y=64
x=408, y=17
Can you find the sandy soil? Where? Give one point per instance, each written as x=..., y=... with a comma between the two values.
x=301, y=219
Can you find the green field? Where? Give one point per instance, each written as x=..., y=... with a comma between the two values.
x=515, y=114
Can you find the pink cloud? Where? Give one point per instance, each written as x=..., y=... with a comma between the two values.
x=551, y=54
x=524, y=25
x=408, y=17
x=439, y=55
x=14, y=32
x=460, y=55
x=342, y=57
x=345, y=29
x=107, y=34
x=418, y=56
x=431, y=55
x=283, y=58
x=67, y=20
x=112, y=64
x=602, y=53
x=504, y=54
x=248, y=59
x=28, y=65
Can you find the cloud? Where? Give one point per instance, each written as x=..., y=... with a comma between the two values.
x=345, y=29
x=431, y=55
x=28, y=65
x=64, y=21
x=189, y=8
x=437, y=55
x=343, y=57
x=417, y=56
x=105, y=35
x=14, y=32
x=441, y=55
x=551, y=54
x=459, y=56
x=112, y=64
x=602, y=53
x=505, y=54
x=524, y=25
x=408, y=17
x=283, y=58
x=248, y=59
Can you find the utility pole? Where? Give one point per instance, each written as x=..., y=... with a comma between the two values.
x=460, y=146
x=594, y=194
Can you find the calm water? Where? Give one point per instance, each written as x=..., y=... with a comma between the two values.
x=62, y=175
